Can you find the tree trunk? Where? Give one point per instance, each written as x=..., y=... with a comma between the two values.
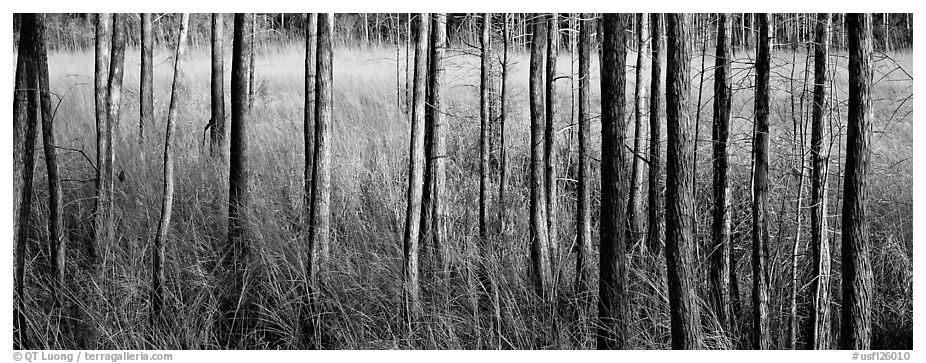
x=484, y=126
x=438, y=142
x=612, y=304
x=25, y=114
x=721, y=248
x=252, y=62
x=680, y=259
x=760, y=286
x=237, y=322
x=415, y=173
x=146, y=87
x=167, y=198
x=550, y=139
x=103, y=214
x=217, y=132
x=503, y=178
x=583, y=199
x=540, y=259
x=655, y=164
x=635, y=201
x=856, y=264
x=819, y=321
x=308, y=126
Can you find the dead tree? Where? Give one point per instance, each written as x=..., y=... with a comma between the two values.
x=217, y=87
x=415, y=173
x=857, y=281
x=721, y=247
x=503, y=116
x=612, y=258
x=550, y=157
x=583, y=193
x=540, y=259
x=235, y=313
x=819, y=321
x=635, y=201
x=167, y=197
x=146, y=86
x=760, y=286
x=680, y=259
x=655, y=186
x=485, y=72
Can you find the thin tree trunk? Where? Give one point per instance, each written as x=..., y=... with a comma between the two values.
x=760, y=287
x=308, y=120
x=503, y=178
x=721, y=248
x=252, y=62
x=856, y=264
x=540, y=259
x=167, y=198
x=655, y=138
x=103, y=214
x=235, y=322
x=552, y=194
x=635, y=201
x=217, y=86
x=25, y=113
x=819, y=320
x=612, y=304
x=583, y=198
x=680, y=259
x=146, y=87
x=484, y=127
x=415, y=173
x=438, y=138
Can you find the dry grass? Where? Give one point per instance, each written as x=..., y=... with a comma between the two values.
x=360, y=289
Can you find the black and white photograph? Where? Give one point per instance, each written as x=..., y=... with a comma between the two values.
x=356, y=181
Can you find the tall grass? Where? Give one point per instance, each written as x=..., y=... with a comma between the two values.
x=361, y=285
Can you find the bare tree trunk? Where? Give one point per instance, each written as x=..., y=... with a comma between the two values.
x=484, y=127
x=612, y=304
x=438, y=138
x=856, y=264
x=655, y=164
x=680, y=259
x=819, y=320
x=415, y=173
x=235, y=322
x=552, y=194
x=583, y=198
x=635, y=201
x=217, y=86
x=760, y=287
x=540, y=259
x=722, y=248
x=146, y=87
x=252, y=63
x=103, y=214
x=167, y=198
x=503, y=178
x=308, y=120
x=25, y=113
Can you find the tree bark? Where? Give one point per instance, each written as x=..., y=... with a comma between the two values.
x=146, y=87
x=680, y=259
x=236, y=322
x=217, y=86
x=760, y=288
x=550, y=157
x=856, y=264
x=103, y=215
x=612, y=304
x=252, y=62
x=308, y=126
x=438, y=141
x=655, y=138
x=722, y=248
x=540, y=259
x=167, y=198
x=503, y=178
x=485, y=71
x=635, y=201
x=819, y=321
x=415, y=173
x=583, y=197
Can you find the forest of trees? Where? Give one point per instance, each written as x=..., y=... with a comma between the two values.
x=624, y=184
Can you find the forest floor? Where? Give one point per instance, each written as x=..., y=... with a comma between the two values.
x=361, y=285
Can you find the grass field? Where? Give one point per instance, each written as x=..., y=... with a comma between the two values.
x=361, y=286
